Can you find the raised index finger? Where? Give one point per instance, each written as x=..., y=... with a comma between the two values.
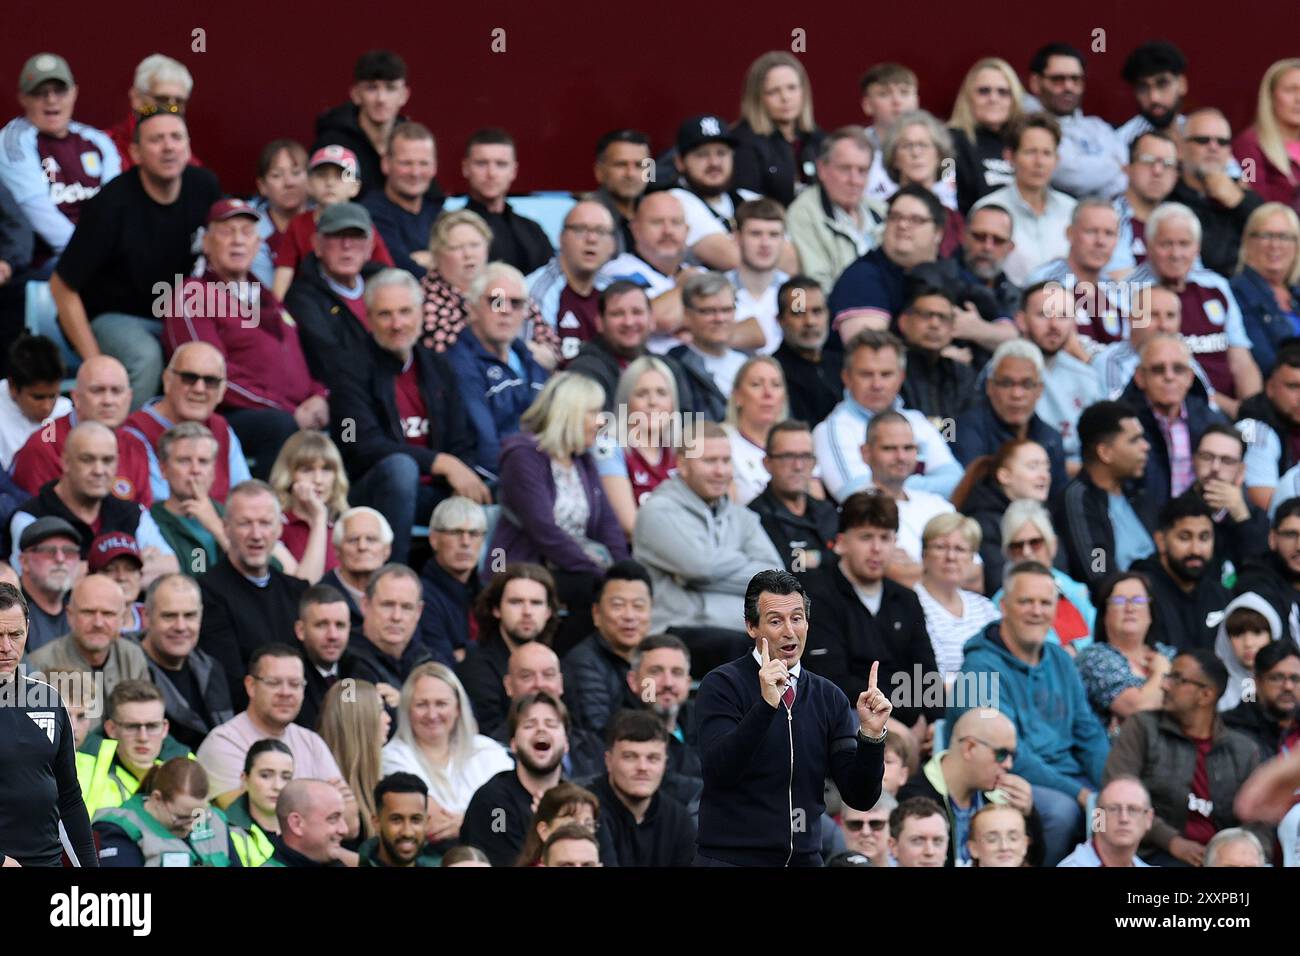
x=871, y=681
x=763, y=651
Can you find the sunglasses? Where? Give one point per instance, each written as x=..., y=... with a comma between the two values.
x=1029, y=544
x=855, y=826
x=1000, y=754
x=190, y=379
x=1003, y=92
x=1207, y=140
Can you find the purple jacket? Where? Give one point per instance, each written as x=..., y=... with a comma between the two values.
x=526, y=492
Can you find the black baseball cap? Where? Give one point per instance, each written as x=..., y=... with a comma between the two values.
x=700, y=130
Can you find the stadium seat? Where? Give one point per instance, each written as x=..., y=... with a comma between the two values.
x=42, y=318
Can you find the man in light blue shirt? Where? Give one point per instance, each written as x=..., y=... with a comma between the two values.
x=1126, y=817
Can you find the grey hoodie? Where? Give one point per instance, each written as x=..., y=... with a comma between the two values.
x=1240, y=678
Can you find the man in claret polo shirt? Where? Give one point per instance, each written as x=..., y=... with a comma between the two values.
x=565, y=288
x=51, y=163
x=1152, y=172
x=489, y=167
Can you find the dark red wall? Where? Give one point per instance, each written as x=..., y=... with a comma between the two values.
x=571, y=70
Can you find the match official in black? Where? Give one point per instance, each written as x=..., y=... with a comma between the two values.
x=38, y=768
x=770, y=734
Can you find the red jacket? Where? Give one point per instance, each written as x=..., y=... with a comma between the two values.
x=40, y=461
x=265, y=367
x=1270, y=182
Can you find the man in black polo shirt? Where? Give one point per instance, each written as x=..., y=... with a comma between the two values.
x=139, y=231
x=489, y=168
x=812, y=374
x=322, y=629
x=801, y=526
x=246, y=602
x=644, y=826
x=501, y=811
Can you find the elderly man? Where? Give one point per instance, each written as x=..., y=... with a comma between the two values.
x=656, y=262
x=1127, y=818
x=565, y=288
x=189, y=518
x=1013, y=387
x=270, y=393
x=708, y=360
x=93, y=643
x=364, y=542
x=248, y=603
x=398, y=419
x=159, y=83
x=102, y=394
x=496, y=374
x=832, y=223
x=405, y=209
x=1211, y=321
x=194, y=383
x=1235, y=847
x=1095, y=306
x=313, y=824
x=51, y=552
x=195, y=693
x=1153, y=310
x=82, y=497
x=456, y=531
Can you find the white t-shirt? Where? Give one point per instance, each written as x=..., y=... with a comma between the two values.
x=453, y=793
x=761, y=307
x=722, y=368
x=635, y=269
x=701, y=222
x=16, y=428
x=949, y=633
x=746, y=466
x=914, y=514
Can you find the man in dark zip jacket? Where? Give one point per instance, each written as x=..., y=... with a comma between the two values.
x=765, y=765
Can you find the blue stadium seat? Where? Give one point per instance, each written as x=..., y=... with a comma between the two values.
x=42, y=318
x=548, y=209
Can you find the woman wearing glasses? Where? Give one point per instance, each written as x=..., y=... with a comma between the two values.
x=1267, y=283
x=917, y=150
x=1124, y=668
x=988, y=101
x=1020, y=469
x=167, y=823
x=953, y=615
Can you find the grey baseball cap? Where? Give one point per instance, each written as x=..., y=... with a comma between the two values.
x=345, y=215
x=42, y=67
x=45, y=528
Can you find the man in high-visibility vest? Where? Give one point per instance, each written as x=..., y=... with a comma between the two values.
x=110, y=767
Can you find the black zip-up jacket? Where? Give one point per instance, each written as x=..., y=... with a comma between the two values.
x=1159, y=472
x=594, y=680
x=187, y=725
x=767, y=164
x=376, y=666
x=1266, y=575
x=444, y=623
x=1185, y=621
x=1261, y=409
x=1221, y=227
x=814, y=388
x=340, y=125
x=516, y=239
x=844, y=638
x=481, y=674
x=1082, y=523
x=765, y=767
x=1250, y=718
x=330, y=334
x=364, y=403
x=812, y=531
x=936, y=386
x=664, y=837
x=597, y=362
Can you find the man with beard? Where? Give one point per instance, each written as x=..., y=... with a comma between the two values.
x=659, y=681
x=1152, y=171
x=622, y=157
x=1173, y=416
x=935, y=385
x=50, y=550
x=644, y=825
x=1157, y=72
x=401, y=802
x=1093, y=232
x=1126, y=806
x=705, y=161
x=518, y=605
x=1239, y=526
x=404, y=211
x=1270, y=424
x=812, y=373
x=534, y=667
x=1184, y=580
x=1272, y=719
x=501, y=811
x=565, y=288
x=985, y=246
x=1275, y=575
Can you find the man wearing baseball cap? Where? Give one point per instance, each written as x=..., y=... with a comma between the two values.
x=50, y=550
x=138, y=234
x=270, y=393
x=51, y=163
x=116, y=554
x=326, y=299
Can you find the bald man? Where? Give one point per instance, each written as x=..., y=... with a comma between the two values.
x=975, y=771
x=194, y=383
x=312, y=825
x=1119, y=824
x=102, y=394
x=93, y=645
x=83, y=497
x=656, y=262
x=565, y=288
x=533, y=667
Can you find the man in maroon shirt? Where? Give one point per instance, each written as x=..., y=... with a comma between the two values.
x=1152, y=172
x=565, y=288
x=270, y=393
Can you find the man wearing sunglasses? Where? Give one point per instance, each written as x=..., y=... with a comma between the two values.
x=1189, y=760
x=1207, y=187
x=1092, y=154
x=867, y=831
x=973, y=772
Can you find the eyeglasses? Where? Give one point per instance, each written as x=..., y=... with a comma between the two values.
x=151, y=729
x=1028, y=384
x=714, y=311
x=277, y=683
x=1206, y=458
x=1207, y=140
x=901, y=219
x=855, y=826
x=1029, y=544
x=1158, y=163
x=960, y=550
x=795, y=457
x=474, y=533
x=933, y=315
x=190, y=379
x=1119, y=600
x=590, y=232
x=177, y=819
x=989, y=238
x=55, y=551
x=1123, y=810
x=1277, y=680
x=1002, y=92
x=1285, y=237
x=1178, y=679
x=1000, y=754
x=1170, y=370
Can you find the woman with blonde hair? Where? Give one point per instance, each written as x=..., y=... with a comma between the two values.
x=459, y=245
x=987, y=104
x=916, y=150
x=309, y=479
x=554, y=510
x=354, y=725
x=777, y=137
x=1267, y=283
x=756, y=403
x=1272, y=144
x=437, y=739
x=953, y=615
x=636, y=460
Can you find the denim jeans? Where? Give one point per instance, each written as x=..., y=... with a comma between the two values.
x=392, y=487
x=1062, y=822
x=262, y=433
x=135, y=342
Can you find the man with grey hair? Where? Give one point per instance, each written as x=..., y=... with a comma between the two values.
x=1013, y=386
x=159, y=83
x=190, y=518
x=247, y=602
x=565, y=288
x=399, y=418
x=709, y=361
x=456, y=534
x=1212, y=324
x=363, y=539
x=391, y=612
x=1235, y=847
x=498, y=377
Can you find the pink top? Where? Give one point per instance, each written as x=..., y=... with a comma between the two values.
x=223, y=751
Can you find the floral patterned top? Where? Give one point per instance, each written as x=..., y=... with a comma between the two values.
x=1106, y=674
x=446, y=310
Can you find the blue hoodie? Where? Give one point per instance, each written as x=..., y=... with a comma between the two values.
x=1059, y=739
